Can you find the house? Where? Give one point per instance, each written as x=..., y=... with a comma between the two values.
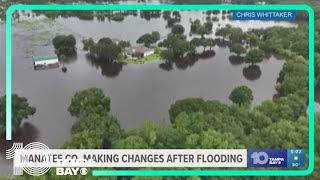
x=46, y=61
x=139, y=51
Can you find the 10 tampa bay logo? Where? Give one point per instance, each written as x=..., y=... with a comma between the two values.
x=39, y=171
x=33, y=171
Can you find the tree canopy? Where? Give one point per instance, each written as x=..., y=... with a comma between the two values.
x=20, y=110
x=254, y=56
x=201, y=29
x=177, y=29
x=176, y=45
x=65, y=44
x=89, y=101
x=87, y=44
x=237, y=48
x=106, y=49
x=241, y=95
x=149, y=38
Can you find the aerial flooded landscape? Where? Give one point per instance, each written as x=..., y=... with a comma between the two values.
x=157, y=79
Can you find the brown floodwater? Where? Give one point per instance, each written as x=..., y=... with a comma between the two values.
x=138, y=93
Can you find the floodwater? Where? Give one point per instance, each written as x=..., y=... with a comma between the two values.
x=138, y=92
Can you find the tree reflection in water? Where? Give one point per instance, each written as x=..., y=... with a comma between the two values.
x=108, y=69
x=186, y=62
x=26, y=134
x=236, y=60
x=252, y=72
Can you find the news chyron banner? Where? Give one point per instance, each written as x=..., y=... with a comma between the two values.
x=159, y=158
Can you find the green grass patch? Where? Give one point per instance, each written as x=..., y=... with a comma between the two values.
x=144, y=60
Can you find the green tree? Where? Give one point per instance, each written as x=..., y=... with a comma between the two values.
x=131, y=142
x=252, y=39
x=87, y=44
x=148, y=39
x=237, y=48
x=241, y=95
x=201, y=29
x=176, y=14
x=177, y=29
x=169, y=138
x=106, y=49
x=236, y=35
x=254, y=56
x=224, y=32
x=283, y=134
x=124, y=44
x=89, y=101
x=192, y=141
x=94, y=131
x=212, y=139
x=149, y=132
x=83, y=140
x=188, y=123
x=64, y=44
x=185, y=105
x=293, y=77
x=176, y=45
x=20, y=110
x=166, y=15
x=205, y=43
x=208, y=26
x=155, y=36
x=211, y=42
x=196, y=42
x=255, y=120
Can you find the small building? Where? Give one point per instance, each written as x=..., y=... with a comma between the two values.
x=139, y=51
x=46, y=61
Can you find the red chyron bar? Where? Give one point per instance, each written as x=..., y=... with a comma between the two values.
x=264, y=15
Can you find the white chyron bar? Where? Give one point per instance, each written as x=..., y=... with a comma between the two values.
x=131, y=158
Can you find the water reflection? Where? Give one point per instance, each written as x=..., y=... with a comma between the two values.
x=188, y=61
x=27, y=134
x=147, y=15
x=252, y=72
x=207, y=54
x=167, y=65
x=108, y=69
x=68, y=59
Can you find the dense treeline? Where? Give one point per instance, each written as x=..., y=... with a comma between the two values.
x=195, y=123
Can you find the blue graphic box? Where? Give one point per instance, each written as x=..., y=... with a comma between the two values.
x=267, y=158
x=296, y=158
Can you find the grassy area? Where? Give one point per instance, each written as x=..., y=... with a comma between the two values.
x=145, y=60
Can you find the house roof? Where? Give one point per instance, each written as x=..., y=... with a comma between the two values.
x=141, y=49
x=44, y=57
